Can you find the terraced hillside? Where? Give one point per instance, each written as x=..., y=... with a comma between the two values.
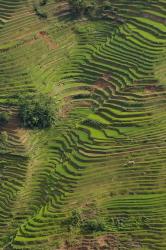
x=97, y=179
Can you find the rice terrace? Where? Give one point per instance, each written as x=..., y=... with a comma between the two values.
x=82, y=124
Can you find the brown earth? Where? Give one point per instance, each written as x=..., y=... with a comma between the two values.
x=47, y=40
x=155, y=18
x=13, y=127
x=105, y=242
x=102, y=83
x=69, y=105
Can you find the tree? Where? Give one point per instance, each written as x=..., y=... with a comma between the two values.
x=74, y=220
x=84, y=7
x=37, y=111
x=39, y=12
x=93, y=225
x=78, y=220
x=43, y=2
x=4, y=118
x=91, y=8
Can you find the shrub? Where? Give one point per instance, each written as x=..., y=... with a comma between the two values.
x=82, y=7
x=91, y=8
x=92, y=226
x=78, y=220
x=4, y=118
x=43, y=2
x=74, y=220
x=37, y=111
x=40, y=13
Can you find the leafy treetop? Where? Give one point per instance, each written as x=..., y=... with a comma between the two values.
x=91, y=8
x=37, y=111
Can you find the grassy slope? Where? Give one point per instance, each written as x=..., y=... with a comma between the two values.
x=109, y=82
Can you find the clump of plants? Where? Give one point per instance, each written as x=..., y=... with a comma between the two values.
x=4, y=117
x=78, y=220
x=43, y=2
x=38, y=11
x=82, y=7
x=37, y=111
x=93, y=225
x=120, y=223
x=91, y=8
x=73, y=220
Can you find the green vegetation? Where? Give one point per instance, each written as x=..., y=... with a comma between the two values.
x=37, y=111
x=82, y=7
x=4, y=138
x=96, y=178
x=43, y=2
x=93, y=226
x=40, y=13
x=4, y=118
x=79, y=220
x=74, y=220
x=91, y=8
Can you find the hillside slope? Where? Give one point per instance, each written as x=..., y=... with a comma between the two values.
x=105, y=157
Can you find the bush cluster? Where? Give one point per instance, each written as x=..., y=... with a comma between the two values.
x=93, y=226
x=40, y=13
x=43, y=2
x=4, y=118
x=37, y=111
x=85, y=225
x=91, y=8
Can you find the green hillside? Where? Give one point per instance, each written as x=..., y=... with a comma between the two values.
x=96, y=179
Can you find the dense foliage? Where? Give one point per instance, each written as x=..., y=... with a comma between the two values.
x=4, y=118
x=38, y=9
x=37, y=111
x=43, y=2
x=92, y=226
x=91, y=8
x=40, y=13
x=78, y=220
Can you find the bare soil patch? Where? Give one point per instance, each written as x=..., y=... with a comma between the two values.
x=102, y=83
x=153, y=89
x=155, y=18
x=68, y=105
x=106, y=242
x=65, y=108
x=13, y=127
x=47, y=40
